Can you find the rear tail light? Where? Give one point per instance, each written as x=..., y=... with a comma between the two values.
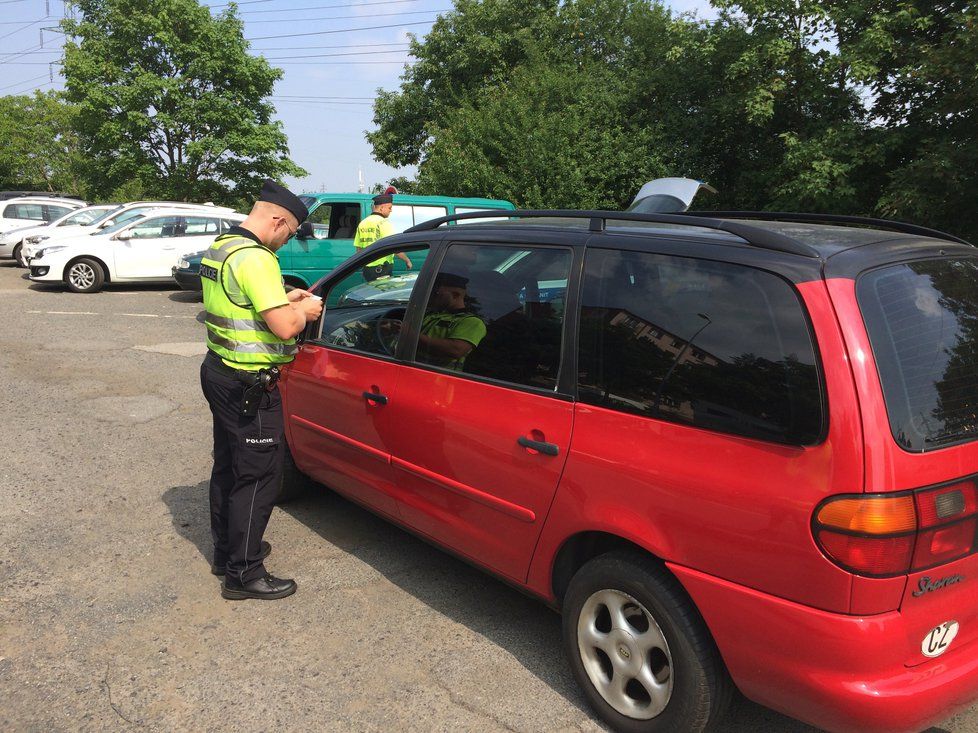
x=896, y=534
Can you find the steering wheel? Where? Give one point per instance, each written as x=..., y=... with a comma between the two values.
x=387, y=328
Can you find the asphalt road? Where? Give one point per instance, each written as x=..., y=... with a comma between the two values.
x=111, y=620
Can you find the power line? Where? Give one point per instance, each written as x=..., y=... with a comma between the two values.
x=16, y=22
x=311, y=96
x=25, y=81
x=25, y=27
x=331, y=55
x=19, y=55
x=329, y=48
x=254, y=50
x=340, y=63
x=350, y=17
x=342, y=30
x=328, y=7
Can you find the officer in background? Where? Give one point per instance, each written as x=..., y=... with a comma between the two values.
x=374, y=227
x=449, y=330
x=251, y=329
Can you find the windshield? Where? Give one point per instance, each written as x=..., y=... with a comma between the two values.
x=922, y=319
x=105, y=215
x=123, y=221
x=81, y=218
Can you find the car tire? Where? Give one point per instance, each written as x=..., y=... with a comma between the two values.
x=629, y=626
x=18, y=248
x=84, y=275
x=295, y=483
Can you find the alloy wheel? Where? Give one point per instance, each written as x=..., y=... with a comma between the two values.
x=81, y=275
x=625, y=654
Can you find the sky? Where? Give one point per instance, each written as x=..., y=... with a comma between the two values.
x=335, y=55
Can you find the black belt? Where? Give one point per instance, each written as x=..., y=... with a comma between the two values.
x=245, y=376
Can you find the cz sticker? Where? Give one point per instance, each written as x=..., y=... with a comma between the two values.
x=939, y=639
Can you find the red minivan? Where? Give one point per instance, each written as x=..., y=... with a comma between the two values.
x=735, y=450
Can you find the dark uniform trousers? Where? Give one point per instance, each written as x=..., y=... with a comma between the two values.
x=247, y=474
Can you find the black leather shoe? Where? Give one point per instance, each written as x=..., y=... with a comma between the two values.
x=267, y=588
x=265, y=551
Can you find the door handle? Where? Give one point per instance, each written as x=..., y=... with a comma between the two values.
x=548, y=449
x=375, y=397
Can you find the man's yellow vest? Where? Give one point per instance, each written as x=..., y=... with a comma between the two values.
x=371, y=229
x=235, y=330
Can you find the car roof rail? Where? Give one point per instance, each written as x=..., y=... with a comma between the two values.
x=887, y=224
x=598, y=222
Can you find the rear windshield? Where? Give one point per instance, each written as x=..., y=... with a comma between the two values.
x=922, y=319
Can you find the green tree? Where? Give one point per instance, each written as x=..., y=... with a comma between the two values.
x=40, y=149
x=474, y=47
x=919, y=63
x=170, y=102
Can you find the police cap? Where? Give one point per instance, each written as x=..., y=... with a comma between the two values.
x=450, y=280
x=383, y=198
x=279, y=195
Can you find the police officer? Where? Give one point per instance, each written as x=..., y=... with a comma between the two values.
x=374, y=227
x=449, y=330
x=251, y=328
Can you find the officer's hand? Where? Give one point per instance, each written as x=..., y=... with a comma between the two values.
x=409, y=265
x=297, y=295
x=311, y=307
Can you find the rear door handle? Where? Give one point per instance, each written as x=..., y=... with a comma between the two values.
x=548, y=449
x=375, y=397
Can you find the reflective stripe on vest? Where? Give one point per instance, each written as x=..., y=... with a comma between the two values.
x=236, y=331
x=237, y=324
x=253, y=347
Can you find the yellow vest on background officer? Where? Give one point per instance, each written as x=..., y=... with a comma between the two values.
x=374, y=227
x=251, y=328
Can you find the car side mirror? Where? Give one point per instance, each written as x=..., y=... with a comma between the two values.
x=305, y=231
x=123, y=236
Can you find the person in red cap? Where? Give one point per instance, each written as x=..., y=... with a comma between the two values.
x=374, y=227
x=251, y=328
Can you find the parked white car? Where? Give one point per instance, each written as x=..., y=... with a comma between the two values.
x=13, y=240
x=34, y=210
x=142, y=251
x=123, y=213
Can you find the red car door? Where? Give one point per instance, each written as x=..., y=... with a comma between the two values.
x=335, y=430
x=478, y=447
x=339, y=389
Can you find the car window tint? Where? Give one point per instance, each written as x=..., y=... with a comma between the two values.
x=196, y=226
x=504, y=307
x=719, y=346
x=366, y=316
x=52, y=212
x=922, y=320
x=34, y=212
x=156, y=228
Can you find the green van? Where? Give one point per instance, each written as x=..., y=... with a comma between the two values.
x=317, y=249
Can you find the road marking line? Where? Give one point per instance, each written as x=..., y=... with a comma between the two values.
x=65, y=313
x=92, y=313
